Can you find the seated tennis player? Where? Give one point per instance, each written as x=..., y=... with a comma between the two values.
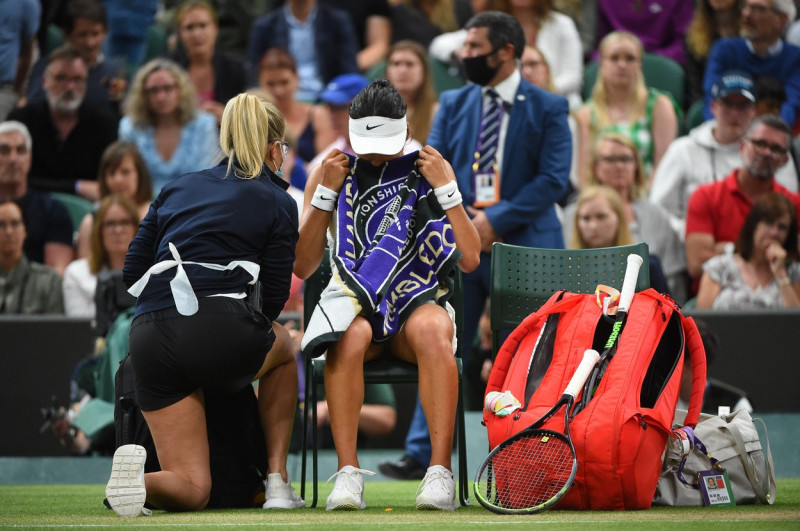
x=396, y=232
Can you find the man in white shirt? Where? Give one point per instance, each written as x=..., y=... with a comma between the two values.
x=711, y=150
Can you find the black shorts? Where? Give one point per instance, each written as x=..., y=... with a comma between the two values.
x=222, y=346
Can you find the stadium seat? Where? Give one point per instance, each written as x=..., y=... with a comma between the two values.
x=694, y=116
x=77, y=208
x=524, y=278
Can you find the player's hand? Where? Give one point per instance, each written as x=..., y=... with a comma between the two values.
x=335, y=167
x=433, y=166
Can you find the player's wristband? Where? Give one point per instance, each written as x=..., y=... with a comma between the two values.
x=324, y=198
x=448, y=195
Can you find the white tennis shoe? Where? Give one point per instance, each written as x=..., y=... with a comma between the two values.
x=281, y=495
x=125, y=490
x=437, y=492
x=348, y=491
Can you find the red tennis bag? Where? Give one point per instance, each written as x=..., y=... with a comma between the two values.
x=620, y=435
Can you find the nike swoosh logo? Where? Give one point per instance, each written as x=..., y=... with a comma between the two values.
x=370, y=128
x=325, y=198
x=451, y=194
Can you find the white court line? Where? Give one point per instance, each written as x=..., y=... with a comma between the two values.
x=501, y=521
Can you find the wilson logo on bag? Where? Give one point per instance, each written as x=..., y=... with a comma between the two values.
x=620, y=434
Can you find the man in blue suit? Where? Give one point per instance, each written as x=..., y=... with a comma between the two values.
x=513, y=200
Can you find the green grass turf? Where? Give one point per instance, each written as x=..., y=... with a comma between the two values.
x=390, y=504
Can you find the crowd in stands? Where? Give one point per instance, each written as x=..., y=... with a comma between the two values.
x=108, y=101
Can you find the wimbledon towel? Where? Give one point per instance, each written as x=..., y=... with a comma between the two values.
x=393, y=250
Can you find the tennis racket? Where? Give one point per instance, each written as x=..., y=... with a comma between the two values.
x=610, y=348
x=532, y=470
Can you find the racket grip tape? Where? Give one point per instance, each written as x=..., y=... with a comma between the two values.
x=629, y=282
x=590, y=358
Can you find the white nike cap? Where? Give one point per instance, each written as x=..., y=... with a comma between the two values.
x=378, y=134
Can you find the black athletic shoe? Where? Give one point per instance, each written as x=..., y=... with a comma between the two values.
x=405, y=468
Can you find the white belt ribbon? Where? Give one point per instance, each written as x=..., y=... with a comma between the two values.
x=182, y=291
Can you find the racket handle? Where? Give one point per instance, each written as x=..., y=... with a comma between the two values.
x=590, y=358
x=629, y=282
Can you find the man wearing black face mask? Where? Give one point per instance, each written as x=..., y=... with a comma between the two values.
x=510, y=146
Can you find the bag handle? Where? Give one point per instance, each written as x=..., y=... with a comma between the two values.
x=765, y=493
x=510, y=346
x=697, y=354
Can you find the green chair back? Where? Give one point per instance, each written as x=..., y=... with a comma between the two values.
x=376, y=71
x=660, y=72
x=77, y=207
x=524, y=278
x=445, y=77
x=385, y=369
x=694, y=116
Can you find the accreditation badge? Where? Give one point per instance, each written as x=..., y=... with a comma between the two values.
x=487, y=188
x=715, y=487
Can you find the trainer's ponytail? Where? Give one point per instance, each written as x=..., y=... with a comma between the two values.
x=248, y=126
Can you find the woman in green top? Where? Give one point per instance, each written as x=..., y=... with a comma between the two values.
x=622, y=103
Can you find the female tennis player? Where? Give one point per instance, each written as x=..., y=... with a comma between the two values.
x=397, y=231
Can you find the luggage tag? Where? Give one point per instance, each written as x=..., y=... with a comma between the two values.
x=715, y=487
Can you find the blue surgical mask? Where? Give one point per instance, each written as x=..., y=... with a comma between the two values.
x=284, y=150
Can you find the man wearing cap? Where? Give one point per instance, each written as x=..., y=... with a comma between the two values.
x=710, y=151
x=760, y=51
x=718, y=210
x=511, y=149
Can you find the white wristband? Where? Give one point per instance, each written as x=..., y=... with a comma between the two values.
x=448, y=195
x=324, y=198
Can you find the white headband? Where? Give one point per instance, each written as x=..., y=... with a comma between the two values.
x=378, y=134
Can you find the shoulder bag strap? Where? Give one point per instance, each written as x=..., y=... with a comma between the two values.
x=765, y=493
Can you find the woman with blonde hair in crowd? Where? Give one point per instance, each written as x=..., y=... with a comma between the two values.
x=200, y=321
x=217, y=76
x=310, y=124
x=114, y=226
x=599, y=221
x=407, y=69
x=712, y=20
x=162, y=118
x=621, y=102
x=122, y=172
x=616, y=164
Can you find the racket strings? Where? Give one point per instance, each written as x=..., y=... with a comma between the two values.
x=528, y=472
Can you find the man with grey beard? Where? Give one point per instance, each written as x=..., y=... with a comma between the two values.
x=718, y=210
x=69, y=137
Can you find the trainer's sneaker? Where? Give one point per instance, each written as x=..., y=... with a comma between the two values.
x=348, y=491
x=125, y=489
x=281, y=495
x=437, y=492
